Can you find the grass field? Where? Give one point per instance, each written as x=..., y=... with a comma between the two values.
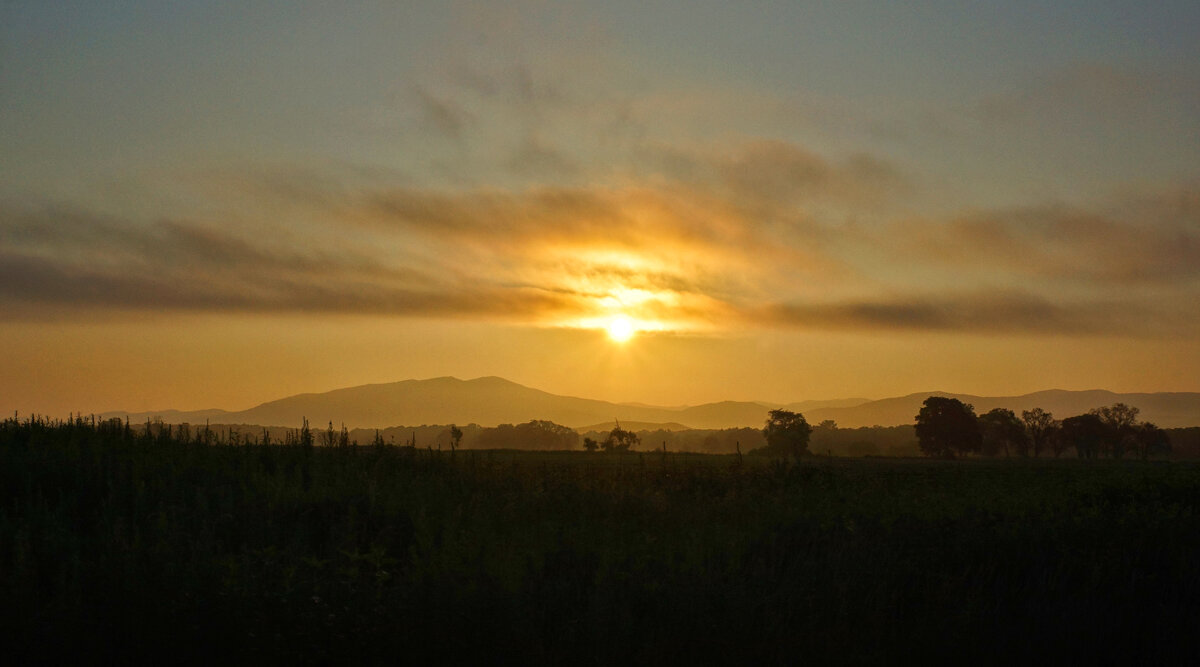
x=119, y=546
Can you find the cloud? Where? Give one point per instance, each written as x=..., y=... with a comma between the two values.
x=988, y=312
x=1147, y=240
x=444, y=115
x=764, y=235
x=61, y=259
x=534, y=157
x=770, y=177
x=783, y=174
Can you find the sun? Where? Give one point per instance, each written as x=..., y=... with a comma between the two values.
x=620, y=329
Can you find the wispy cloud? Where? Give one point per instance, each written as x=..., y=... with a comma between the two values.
x=766, y=234
x=68, y=259
x=441, y=114
x=1140, y=241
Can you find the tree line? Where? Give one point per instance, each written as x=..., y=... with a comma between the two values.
x=947, y=428
x=944, y=427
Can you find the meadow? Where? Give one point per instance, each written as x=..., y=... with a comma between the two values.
x=121, y=545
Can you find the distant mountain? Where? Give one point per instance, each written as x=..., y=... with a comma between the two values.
x=1167, y=410
x=726, y=414
x=175, y=416
x=486, y=401
x=489, y=401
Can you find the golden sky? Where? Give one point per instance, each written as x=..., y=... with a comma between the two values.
x=676, y=204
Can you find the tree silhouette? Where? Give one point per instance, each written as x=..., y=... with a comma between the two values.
x=1150, y=440
x=306, y=436
x=590, y=444
x=456, y=436
x=787, y=433
x=534, y=434
x=1119, y=424
x=1041, y=426
x=1085, y=433
x=1000, y=429
x=1055, y=440
x=946, y=427
x=620, y=440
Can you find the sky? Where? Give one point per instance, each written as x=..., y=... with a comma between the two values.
x=217, y=204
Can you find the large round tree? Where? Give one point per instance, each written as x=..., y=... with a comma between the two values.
x=787, y=433
x=946, y=427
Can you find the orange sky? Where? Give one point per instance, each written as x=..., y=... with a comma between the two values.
x=205, y=208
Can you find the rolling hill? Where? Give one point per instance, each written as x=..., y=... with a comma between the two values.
x=486, y=401
x=489, y=401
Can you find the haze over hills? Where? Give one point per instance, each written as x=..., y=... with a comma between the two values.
x=490, y=401
x=486, y=401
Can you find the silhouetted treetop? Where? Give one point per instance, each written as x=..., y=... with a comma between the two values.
x=1002, y=431
x=535, y=434
x=1085, y=433
x=946, y=427
x=787, y=433
x=620, y=440
x=1042, y=428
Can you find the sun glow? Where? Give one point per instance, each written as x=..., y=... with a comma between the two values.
x=620, y=329
x=623, y=294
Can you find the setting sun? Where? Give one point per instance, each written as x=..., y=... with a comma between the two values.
x=620, y=329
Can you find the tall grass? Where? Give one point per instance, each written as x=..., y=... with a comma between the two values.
x=119, y=544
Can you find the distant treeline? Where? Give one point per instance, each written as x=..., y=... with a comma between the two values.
x=1185, y=442
x=827, y=438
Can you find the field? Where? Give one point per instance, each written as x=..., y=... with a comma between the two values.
x=119, y=546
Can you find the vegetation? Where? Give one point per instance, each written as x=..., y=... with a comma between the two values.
x=947, y=427
x=1041, y=428
x=786, y=433
x=1001, y=431
x=118, y=543
x=620, y=440
x=535, y=434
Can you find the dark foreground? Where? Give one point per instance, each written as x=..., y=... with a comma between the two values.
x=114, y=546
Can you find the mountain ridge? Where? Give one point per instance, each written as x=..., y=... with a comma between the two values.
x=492, y=400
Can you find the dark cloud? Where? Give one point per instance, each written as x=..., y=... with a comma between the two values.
x=31, y=281
x=996, y=312
x=76, y=261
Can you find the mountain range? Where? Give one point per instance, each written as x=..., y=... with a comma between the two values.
x=492, y=401
x=489, y=401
